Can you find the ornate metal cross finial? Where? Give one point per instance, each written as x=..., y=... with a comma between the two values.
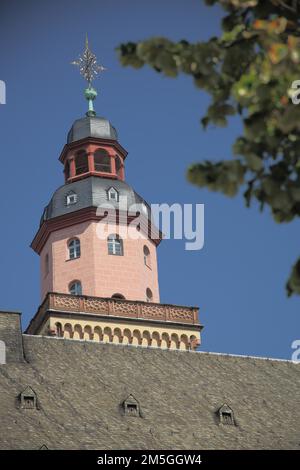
x=89, y=69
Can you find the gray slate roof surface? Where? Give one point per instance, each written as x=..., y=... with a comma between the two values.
x=98, y=127
x=81, y=385
x=91, y=192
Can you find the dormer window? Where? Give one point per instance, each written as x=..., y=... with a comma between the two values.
x=226, y=415
x=71, y=198
x=28, y=399
x=131, y=406
x=113, y=195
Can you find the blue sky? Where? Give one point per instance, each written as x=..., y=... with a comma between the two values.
x=238, y=278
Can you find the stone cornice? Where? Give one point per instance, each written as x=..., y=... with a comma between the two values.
x=86, y=215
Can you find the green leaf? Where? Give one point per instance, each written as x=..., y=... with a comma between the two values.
x=255, y=163
x=293, y=284
x=248, y=69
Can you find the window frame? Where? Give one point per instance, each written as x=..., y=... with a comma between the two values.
x=149, y=295
x=59, y=329
x=147, y=256
x=110, y=191
x=114, y=243
x=78, y=288
x=76, y=249
x=226, y=415
x=131, y=407
x=118, y=296
x=84, y=167
x=105, y=166
x=70, y=195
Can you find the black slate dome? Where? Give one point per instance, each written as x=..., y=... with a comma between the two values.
x=92, y=126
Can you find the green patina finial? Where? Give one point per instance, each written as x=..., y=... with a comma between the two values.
x=90, y=94
x=89, y=69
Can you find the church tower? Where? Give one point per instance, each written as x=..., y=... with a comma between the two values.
x=97, y=245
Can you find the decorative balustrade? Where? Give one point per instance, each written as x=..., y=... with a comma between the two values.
x=115, y=307
x=122, y=308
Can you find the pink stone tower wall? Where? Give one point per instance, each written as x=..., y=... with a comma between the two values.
x=101, y=274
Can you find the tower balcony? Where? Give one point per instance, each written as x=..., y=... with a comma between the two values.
x=117, y=321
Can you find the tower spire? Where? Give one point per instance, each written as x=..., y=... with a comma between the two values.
x=89, y=69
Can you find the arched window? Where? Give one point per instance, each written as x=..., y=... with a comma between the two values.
x=78, y=334
x=149, y=295
x=75, y=288
x=102, y=161
x=74, y=248
x=118, y=165
x=113, y=194
x=146, y=338
x=115, y=245
x=147, y=260
x=165, y=341
x=107, y=335
x=184, y=342
x=81, y=162
x=155, y=343
x=127, y=336
x=87, y=332
x=118, y=296
x=97, y=333
x=68, y=330
x=174, y=341
x=117, y=336
x=59, y=330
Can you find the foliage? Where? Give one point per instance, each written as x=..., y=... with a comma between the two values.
x=248, y=71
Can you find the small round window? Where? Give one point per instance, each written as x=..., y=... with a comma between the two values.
x=149, y=295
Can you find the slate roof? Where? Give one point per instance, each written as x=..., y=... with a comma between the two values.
x=96, y=126
x=92, y=192
x=81, y=386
